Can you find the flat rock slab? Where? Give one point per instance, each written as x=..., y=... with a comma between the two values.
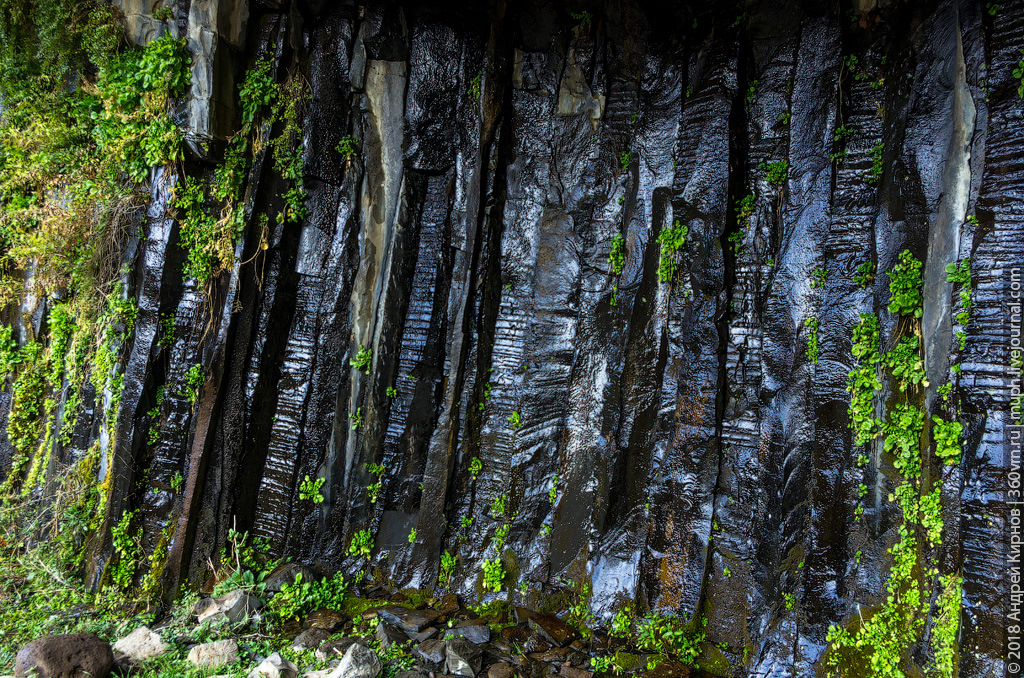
x=463, y=658
x=213, y=655
x=359, y=662
x=475, y=634
x=141, y=644
x=553, y=629
x=425, y=634
x=573, y=672
x=410, y=621
x=72, y=655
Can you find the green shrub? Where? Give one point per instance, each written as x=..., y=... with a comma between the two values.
x=298, y=599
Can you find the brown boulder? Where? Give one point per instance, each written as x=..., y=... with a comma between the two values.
x=553, y=629
x=73, y=655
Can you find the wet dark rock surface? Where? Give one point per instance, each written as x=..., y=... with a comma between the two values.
x=704, y=464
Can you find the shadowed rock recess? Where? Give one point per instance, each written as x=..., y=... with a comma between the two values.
x=475, y=336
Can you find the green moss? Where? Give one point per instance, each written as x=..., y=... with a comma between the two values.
x=713, y=660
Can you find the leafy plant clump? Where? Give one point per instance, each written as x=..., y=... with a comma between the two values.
x=617, y=257
x=474, y=86
x=865, y=274
x=947, y=439
x=194, y=379
x=960, y=274
x=348, y=147
x=906, y=363
x=362, y=360
x=302, y=597
x=745, y=208
x=863, y=379
x=374, y=488
x=875, y=173
x=583, y=17
x=448, y=562
x=309, y=490
x=666, y=637
x=82, y=123
x=1018, y=73
x=672, y=239
x=362, y=544
x=905, y=286
x=625, y=158
x=812, y=339
x=776, y=172
x=494, y=574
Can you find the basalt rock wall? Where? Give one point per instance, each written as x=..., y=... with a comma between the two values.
x=667, y=442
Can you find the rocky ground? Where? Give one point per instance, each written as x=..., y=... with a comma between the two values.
x=404, y=635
